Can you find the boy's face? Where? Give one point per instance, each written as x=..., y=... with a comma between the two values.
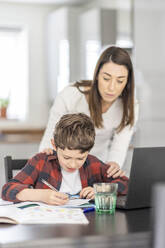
x=71, y=160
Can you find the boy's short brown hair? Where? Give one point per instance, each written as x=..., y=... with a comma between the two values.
x=74, y=132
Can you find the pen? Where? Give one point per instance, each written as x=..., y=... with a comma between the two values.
x=53, y=188
x=86, y=210
x=49, y=185
x=29, y=205
x=76, y=196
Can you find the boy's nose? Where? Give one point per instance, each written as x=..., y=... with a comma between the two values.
x=73, y=165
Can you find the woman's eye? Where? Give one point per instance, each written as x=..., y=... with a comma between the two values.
x=66, y=158
x=120, y=82
x=106, y=79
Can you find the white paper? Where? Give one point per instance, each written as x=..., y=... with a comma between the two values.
x=3, y=203
x=75, y=203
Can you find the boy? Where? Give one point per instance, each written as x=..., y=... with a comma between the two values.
x=70, y=169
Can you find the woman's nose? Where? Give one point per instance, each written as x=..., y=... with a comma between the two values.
x=111, y=85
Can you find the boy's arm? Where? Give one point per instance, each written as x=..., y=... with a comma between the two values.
x=25, y=179
x=21, y=187
x=47, y=196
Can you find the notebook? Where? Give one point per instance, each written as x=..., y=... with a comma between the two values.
x=148, y=168
x=41, y=214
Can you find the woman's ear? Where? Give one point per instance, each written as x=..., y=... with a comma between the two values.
x=54, y=147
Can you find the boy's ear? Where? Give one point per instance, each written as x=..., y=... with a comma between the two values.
x=54, y=147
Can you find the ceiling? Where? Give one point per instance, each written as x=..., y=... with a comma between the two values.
x=57, y=2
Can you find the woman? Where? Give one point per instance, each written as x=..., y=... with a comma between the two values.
x=109, y=100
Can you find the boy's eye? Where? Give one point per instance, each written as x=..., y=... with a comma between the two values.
x=66, y=158
x=80, y=159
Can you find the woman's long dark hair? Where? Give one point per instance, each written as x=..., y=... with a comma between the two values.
x=118, y=56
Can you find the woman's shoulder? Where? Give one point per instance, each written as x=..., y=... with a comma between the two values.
x=75, y=89
x=71, y=97
x=70, y=90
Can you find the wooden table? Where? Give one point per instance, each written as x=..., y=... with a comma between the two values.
x=124, y=229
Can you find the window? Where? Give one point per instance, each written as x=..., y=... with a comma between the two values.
x=14, y=70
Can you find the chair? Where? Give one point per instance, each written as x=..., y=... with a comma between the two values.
x=11, y=165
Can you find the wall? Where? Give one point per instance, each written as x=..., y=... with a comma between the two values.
x=88, y=32
x=52, y=42
x=18, y=151
x=149, y=39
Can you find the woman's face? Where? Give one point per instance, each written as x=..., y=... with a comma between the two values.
x=112, y=79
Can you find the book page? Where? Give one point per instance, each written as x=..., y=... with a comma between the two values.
x=51, y=215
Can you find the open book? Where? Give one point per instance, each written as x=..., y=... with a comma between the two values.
x=41, y=214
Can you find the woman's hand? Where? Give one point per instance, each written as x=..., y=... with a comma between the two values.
x=87, y=193
x=54, y=198
x=48, y=151
x=114, y=170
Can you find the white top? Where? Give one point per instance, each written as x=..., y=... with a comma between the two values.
x=71, y=182
x=109, y=145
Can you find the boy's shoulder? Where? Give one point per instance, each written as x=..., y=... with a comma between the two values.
x=39, y=156
x=42, y=156
x=94, y=161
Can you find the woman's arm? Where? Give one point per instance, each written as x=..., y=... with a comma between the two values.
x=114, y=170
x=121, y=181
x=121, y=141
x=67, y=101
x=58, y=109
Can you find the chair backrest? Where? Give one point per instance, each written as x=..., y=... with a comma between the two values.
x=11, y=165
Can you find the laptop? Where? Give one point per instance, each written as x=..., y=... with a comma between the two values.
x=148, y=168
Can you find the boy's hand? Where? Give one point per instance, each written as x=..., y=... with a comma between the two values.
x=88, y=193
x=54, y=198
x=48, y=151
x=114, y=170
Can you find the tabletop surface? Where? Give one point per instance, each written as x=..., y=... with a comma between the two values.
x=123, y=222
